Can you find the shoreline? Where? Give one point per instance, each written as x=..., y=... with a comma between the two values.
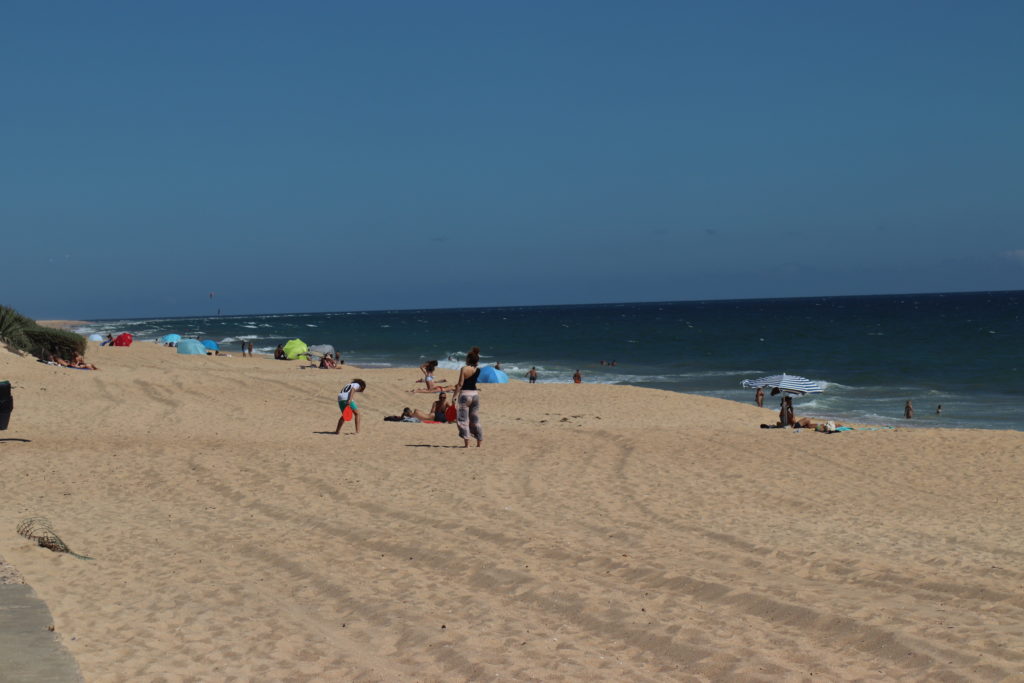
x=926, y=422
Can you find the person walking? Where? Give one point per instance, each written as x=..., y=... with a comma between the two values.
x=759, y=397
x=532, y=375
x=467, y=400
x=908, y=411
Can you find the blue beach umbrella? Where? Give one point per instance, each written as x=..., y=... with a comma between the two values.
x=210, y=344
x=170, y=338
x=789, y=384
x=488, y=375
x=191, y=347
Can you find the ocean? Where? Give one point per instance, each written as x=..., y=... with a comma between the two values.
x=963, y=351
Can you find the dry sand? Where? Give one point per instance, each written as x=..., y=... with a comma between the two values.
x=602, y=533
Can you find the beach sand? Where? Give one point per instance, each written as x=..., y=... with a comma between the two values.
x=601, y=533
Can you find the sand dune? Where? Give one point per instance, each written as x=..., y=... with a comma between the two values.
x=602, y=533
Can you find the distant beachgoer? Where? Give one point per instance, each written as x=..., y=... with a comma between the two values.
x=346, y=399
x=612, y=364
x=938, y=410
x=467, y=398
x=108, y=341
x=243, y=348
x=786, y=417
x=430, y=384
x=759, y=397
x=908, y=410
x=603, y=363
x=79, y=362
x=577, y=378
x=279, y=352
x=497, y=366
x=532, y=375
x=250, y=349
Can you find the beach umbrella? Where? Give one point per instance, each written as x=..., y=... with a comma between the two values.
x=488, y=375
x=295, y=348
x=210, y=344
x=789, y=384
x=170, y=338
x=95, y=337
x=191, y=347
x=322, y=349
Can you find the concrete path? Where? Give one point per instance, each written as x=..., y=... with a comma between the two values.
x=29, y=650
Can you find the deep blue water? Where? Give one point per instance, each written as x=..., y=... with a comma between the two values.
x=963, y=350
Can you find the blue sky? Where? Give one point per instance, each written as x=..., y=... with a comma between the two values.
x=321, y=156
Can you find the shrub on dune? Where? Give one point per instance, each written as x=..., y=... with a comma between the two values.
x=22, y=333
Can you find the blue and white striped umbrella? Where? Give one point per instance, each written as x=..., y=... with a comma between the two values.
x=791, y=384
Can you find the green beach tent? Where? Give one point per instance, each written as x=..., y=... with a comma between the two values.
x=295, y=348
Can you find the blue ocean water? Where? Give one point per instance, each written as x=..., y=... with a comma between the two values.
x=961, y=350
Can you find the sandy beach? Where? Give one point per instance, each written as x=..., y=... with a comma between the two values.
x=602, y=532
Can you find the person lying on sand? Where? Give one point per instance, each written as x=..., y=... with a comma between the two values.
x=437, y=413
x=79, y=362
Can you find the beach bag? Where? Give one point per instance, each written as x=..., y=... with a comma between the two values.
x=451, y=413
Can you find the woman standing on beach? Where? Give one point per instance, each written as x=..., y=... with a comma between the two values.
x=467, y=398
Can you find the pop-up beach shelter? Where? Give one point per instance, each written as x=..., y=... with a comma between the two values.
x=95, y=337
x=170, y=339
x=295, y=348
x=210, y=344
x=322, y=349
x=123, y=339
x=488, y=375
x=191, y=347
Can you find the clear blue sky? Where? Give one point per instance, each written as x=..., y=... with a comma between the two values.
x=318, y=156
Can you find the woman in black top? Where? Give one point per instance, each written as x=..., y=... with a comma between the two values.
x=467, y=399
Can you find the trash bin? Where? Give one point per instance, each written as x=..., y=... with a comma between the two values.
x=6, y=404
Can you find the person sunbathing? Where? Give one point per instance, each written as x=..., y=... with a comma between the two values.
x=440, y=408
x=431, y=385
x=327, y=363
x=80, y=364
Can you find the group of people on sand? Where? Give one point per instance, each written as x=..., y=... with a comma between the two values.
x=440, y=411
x=465, y=398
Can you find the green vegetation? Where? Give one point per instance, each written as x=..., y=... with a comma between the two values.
x=21, y=333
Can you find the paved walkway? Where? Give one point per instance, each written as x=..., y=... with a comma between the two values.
x=29, y=650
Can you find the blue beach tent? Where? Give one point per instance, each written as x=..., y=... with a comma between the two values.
x=210, y=344
x=95, y=337
x=191, y=347
x=488, y=375
x=170, y=338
